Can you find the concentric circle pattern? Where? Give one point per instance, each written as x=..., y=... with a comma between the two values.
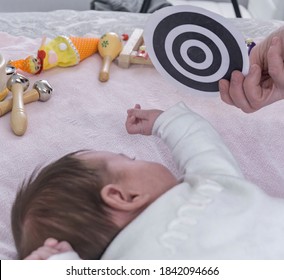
x=194, y=48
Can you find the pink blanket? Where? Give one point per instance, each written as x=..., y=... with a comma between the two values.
x=85, y=113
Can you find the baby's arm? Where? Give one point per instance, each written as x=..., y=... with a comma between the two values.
x=50, y=248
x=197, y=147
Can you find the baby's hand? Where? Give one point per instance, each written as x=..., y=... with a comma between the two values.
x=141, y=121
x=50, y=247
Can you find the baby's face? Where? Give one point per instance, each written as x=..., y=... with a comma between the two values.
x=152, y=178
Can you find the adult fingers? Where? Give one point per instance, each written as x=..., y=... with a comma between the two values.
x=253, y=89
x=237, y=92
x=224, y=86
x=275, y=62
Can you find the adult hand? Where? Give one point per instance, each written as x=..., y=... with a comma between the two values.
x=264, y=83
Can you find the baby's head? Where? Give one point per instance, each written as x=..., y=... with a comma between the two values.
x=85, y=198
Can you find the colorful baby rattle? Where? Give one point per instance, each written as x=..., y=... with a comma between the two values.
x=61, y=51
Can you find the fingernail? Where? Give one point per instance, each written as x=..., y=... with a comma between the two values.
x=235, y=77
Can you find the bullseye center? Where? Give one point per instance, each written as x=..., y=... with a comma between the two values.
x=196, y=54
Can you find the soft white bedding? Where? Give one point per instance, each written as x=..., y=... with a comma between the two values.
x=85, y=113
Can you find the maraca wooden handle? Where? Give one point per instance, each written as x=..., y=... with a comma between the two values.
x=3, y=94
x=6, y=106
x=104, y=73
x=19, y=120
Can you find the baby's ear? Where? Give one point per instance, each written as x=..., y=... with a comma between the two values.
x=117, y=198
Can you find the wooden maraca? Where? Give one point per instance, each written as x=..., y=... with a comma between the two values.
x=3, y=94
x=2, y=77
x=9, y=70
x=41, y=91
x=110, y=46
x=17, y=84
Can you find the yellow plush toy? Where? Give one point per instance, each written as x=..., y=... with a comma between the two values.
x=61, y=51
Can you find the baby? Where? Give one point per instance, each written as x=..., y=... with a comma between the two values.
x=86, y=204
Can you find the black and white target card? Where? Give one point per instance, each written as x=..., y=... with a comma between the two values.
x=194, y=47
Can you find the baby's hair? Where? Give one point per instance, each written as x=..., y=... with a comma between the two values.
x=63, y=201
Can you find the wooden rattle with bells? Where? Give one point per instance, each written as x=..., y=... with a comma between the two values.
x=17, y=84
x=41, y=91
x=9, y=70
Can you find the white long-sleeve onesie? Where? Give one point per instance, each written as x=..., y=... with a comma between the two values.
x=213, y=214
